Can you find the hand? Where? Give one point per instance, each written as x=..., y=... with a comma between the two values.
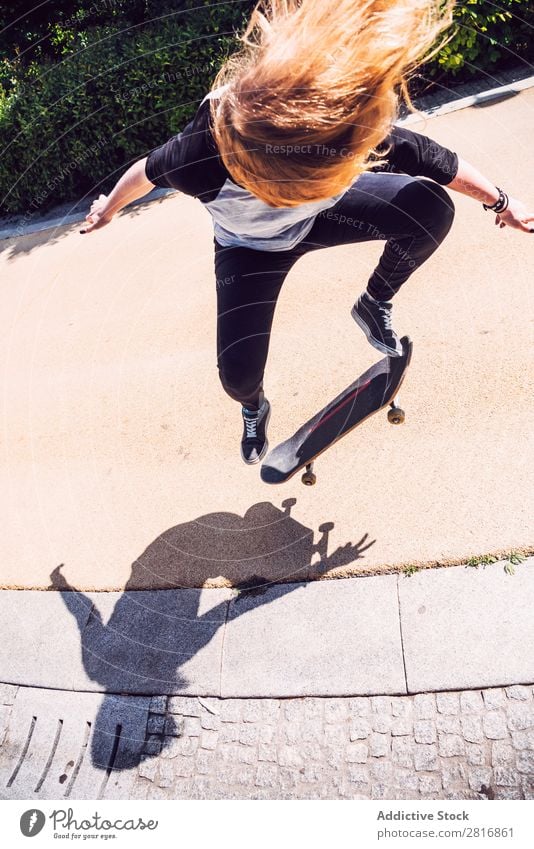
x=58, y=580
x=97, y=217
x=516, y=215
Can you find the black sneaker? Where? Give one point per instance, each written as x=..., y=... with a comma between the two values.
x=254, y=442
x=374, y=317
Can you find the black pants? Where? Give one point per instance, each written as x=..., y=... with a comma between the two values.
x=412, y=215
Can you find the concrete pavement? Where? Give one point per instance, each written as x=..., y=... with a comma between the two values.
x=142, y=673
x=134, y=696
x=441, y=629
x=111, y=400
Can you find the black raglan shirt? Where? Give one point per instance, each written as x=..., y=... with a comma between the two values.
x=190, y=163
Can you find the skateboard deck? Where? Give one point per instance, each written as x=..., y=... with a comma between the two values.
x=371, y=392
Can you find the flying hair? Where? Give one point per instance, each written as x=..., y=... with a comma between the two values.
x=315, y=88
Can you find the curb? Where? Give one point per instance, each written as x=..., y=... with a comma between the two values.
x=73, y=218
x=439, y=630
x=483, y=98
x=480, y=99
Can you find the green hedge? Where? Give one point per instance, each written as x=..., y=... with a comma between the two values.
x=95, y=88
x=487, y=36
x=69, y=128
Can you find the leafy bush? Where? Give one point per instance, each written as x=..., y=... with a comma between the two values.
x=26, y=27
x=70, y=128
x=487, y=35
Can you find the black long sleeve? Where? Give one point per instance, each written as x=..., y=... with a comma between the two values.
x=417, y=155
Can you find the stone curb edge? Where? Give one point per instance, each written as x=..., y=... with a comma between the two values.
x=74, y=218
x=479, y=99
x=437, y=630
x=482, y=97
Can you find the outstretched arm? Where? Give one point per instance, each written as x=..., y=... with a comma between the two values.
x=132, y=185
x=469, y=181
x=418, y=155
x=76, y=602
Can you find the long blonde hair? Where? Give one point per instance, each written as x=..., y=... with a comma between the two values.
x=315, y=89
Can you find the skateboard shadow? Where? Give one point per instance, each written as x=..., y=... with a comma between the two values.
x=142, y=643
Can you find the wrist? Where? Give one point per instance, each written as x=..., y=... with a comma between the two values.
x=489, y=196
x=500, y=204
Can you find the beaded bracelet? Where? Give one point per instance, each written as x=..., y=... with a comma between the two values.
x=500, y=204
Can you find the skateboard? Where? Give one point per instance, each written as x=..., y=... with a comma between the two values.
x=375, y=389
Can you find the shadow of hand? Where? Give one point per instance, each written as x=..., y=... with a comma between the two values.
x=345, y=554
x=58, y=581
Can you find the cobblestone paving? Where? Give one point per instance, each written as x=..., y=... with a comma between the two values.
x=467, y=745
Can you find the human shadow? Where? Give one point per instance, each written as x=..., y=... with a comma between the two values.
x=148, y=642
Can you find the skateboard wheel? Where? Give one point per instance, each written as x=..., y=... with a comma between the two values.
x=308, y=478
x=396, y=415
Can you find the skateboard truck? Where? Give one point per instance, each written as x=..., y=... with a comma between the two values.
x=395, y=414
x=309, y=477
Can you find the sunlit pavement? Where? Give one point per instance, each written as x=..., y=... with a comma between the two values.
x=122, y=473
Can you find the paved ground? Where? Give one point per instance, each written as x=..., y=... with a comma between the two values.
x=452, y=745
x=440, y=629
x=109, y=392
x=93, y=727
x=112, y=400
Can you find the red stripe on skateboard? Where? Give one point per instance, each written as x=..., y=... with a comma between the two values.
x=340, y=406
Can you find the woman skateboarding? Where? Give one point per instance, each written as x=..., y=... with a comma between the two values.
x=295, y=149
